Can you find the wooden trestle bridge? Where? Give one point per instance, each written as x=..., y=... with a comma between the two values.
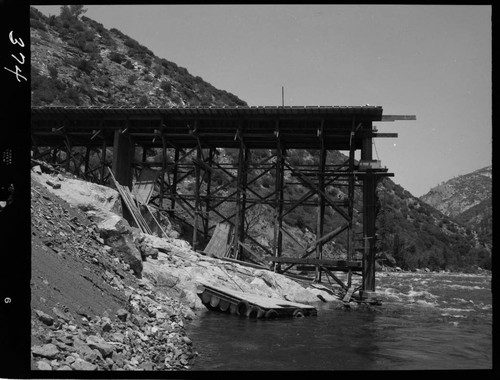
x=190, y=138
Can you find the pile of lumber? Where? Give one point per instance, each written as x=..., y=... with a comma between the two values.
x=131, y=206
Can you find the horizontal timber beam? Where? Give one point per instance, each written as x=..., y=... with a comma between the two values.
x=313, y=261
x=398, y=117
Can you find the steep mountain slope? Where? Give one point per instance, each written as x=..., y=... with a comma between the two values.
x=417, y=235
x=459, y=194
x=467, y=199
x=76, y=61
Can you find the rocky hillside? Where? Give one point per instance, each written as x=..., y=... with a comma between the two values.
x=461, y=193
x=89, y=310
x=76, y=61
x=467, y=199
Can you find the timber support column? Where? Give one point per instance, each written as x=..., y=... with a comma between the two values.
x=369, y=184
x=320, y=217
x=278, y=207
x=241, y=183
x=197, y=201
x=123, y=153
x=173, y=187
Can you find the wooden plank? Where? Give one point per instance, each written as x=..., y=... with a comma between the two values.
x=144, y=186
x=251, y=255
x=331, y=234
x=131, y=206
x=348, y=295
x=134, y=208
x=340, y=268
x=120, y=190
x=244, y=263
x=312, y=261
x=156, y=221
x=219, y=243
x=335, y=278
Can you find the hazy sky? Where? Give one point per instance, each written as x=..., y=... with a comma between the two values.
x=432, y=61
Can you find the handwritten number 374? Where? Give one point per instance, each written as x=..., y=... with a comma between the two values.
x=17, y=71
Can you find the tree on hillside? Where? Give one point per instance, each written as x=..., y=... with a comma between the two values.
x=72, y=12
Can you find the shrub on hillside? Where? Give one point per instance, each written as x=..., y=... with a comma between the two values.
x=97, y=26
x=52, y=71
x=103, y=81
x=72, y=96
x=116, y=57
x=205, y=101
x=37, y=24
x=72, y=12
x=36, y=14
x=157, y=70
x=176, y=99
x=168, y=65
x=143, y=101
x=52, y=20
x=45, y=90
x=90, y=47
x=85, y=66
x=127, y=64
x=166, y=87
x=131, y=43
x=131, y=79
x=86, y=88
x=117, y=32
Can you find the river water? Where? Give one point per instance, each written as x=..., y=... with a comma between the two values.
x=426, y=321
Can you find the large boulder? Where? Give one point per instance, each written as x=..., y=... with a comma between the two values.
x=49, y=351
x=117, y=233
x=81, y=194
x=161, y=244
x=101, y=345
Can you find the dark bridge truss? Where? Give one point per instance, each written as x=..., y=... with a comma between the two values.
x=201, y=191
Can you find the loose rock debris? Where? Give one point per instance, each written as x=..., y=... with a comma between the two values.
x=89, y=311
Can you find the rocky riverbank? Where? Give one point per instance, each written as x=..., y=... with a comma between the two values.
x=106, y=296
x=150, y=337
